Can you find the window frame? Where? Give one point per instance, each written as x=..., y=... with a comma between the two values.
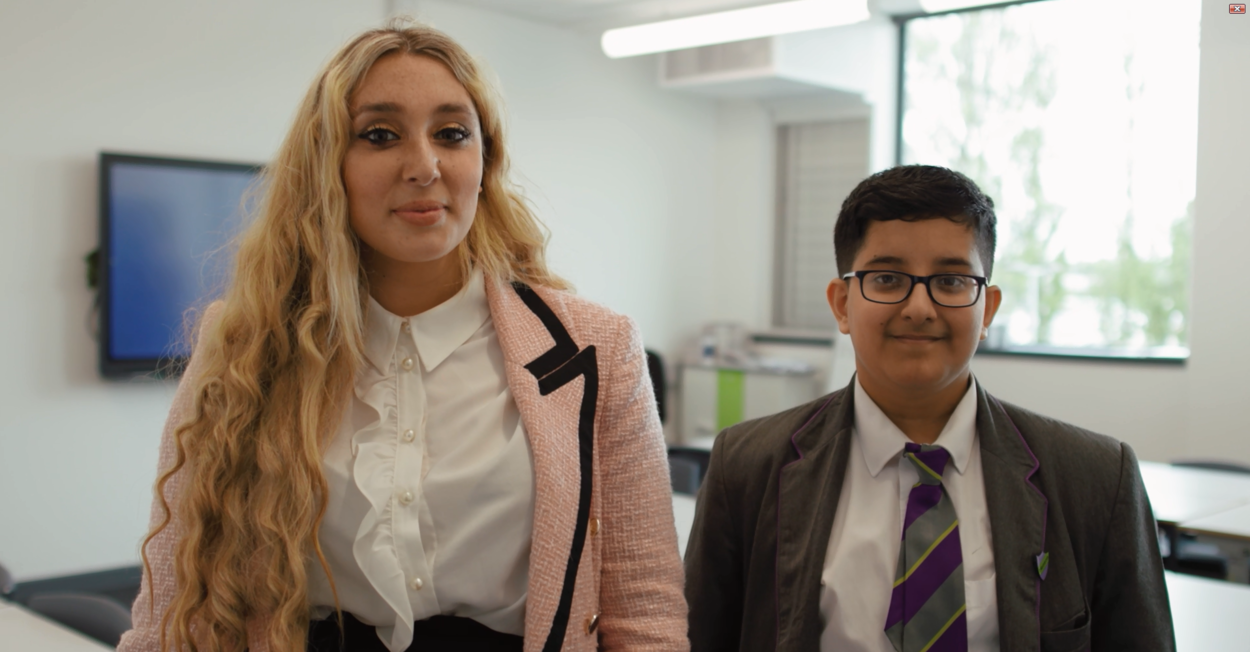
x=1083, y=354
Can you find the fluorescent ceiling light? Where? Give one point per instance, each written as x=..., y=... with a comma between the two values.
x=934, y=6
x=736, y=25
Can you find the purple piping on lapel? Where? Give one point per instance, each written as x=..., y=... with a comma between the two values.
x=777, y=552
x=1037, y=599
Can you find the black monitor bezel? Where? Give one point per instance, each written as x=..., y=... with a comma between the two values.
x=130, y=368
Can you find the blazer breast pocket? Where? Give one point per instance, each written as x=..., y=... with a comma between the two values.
x=1072, y=636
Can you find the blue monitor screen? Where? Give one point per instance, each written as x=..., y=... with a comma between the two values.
x=169, y=227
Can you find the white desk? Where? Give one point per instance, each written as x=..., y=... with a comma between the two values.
x=1233, y=523
x=683, y=514
x=1209, y=614
x=24, y=631
x=1179, y=494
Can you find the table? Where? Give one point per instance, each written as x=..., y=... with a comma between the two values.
x=1234, y=523
x=683, y=515
x=1180, y=494
x=22, y=630
x=1208, y=614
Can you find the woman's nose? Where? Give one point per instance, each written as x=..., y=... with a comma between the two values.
x=421, y=164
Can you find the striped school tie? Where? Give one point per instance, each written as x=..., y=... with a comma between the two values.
x=927, y=609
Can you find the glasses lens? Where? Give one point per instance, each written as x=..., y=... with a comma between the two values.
x=886, y=287
x=954, y=291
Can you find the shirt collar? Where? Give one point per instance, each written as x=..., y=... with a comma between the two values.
x=436, y=332
x=881, y=440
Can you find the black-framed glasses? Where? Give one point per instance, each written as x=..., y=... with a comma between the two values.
x=889, y=286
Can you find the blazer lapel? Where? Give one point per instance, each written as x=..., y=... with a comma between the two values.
x=807, y=497
x=545, y=367
x=1017, y=511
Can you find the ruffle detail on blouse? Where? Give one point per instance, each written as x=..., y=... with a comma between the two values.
x=373, y=471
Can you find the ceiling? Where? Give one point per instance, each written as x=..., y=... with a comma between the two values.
x=598, y=15
x=595, y=15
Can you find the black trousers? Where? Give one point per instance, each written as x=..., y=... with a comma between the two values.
x=437, y=634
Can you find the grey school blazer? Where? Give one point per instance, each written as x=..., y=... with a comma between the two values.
x=765, y=515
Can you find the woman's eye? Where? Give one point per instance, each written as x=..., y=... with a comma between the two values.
x=379, y=135
x=453, y=134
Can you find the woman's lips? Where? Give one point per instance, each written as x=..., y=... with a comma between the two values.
x=421, y=213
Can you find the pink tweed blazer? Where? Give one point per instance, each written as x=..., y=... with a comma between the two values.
x=604, y=568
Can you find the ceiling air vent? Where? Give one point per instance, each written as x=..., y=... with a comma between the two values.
x=722, y=62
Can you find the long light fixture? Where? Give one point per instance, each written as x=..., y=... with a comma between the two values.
x=935, y=6
x=736, y=25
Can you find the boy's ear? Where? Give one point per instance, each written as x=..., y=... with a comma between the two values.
x=837, y=294
x=993, y=299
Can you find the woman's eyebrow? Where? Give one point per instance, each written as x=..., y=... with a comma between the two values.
x=455, y=108
x=392, y=107
x=376, y=107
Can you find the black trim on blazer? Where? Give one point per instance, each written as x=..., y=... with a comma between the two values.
x=554, y=369
x=565, y=347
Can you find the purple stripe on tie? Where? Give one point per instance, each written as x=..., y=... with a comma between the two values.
x=955, y=638
x=895, y=614
x=920, y=500
x=925, y=581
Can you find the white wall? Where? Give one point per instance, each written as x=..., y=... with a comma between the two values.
x=1219, y=392
x=621, y=172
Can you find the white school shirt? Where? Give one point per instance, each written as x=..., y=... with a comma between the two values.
x=862, y=557
x=431, y=478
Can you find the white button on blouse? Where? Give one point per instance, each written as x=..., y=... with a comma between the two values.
x=431, y=478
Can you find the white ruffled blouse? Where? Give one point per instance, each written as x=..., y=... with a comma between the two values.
x=431, y=478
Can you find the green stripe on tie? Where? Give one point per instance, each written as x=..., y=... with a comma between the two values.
x=925, y=556
x=944, y=628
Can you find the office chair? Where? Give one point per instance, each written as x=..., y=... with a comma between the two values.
x=1189, y=555
x=1213, y=465
x=686, y=468
x=97, y=616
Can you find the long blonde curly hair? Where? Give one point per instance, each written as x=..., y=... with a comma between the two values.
x=276, y=366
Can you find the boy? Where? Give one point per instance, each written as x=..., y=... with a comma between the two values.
x=912, y=510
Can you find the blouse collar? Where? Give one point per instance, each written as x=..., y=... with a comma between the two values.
x=436, y=333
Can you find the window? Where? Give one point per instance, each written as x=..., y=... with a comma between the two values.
x=818, y=164
x=1079, y=118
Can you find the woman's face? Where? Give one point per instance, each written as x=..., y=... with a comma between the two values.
x=414, y=168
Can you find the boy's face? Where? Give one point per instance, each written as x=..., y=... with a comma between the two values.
x=914, y=347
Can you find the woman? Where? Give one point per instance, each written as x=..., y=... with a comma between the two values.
x=398, y=425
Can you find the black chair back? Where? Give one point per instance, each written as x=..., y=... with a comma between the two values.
x=655, y=366
x=1227, y=466
x=686, y=467
x=6, y=581
x=97, y=616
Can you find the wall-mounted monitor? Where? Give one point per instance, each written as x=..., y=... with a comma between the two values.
x=166, y=230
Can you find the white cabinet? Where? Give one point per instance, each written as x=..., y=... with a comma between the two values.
x=713, y=398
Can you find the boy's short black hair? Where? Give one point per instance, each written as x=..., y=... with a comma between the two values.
x=911, y=193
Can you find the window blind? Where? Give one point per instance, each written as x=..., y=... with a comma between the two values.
x=818, y=164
